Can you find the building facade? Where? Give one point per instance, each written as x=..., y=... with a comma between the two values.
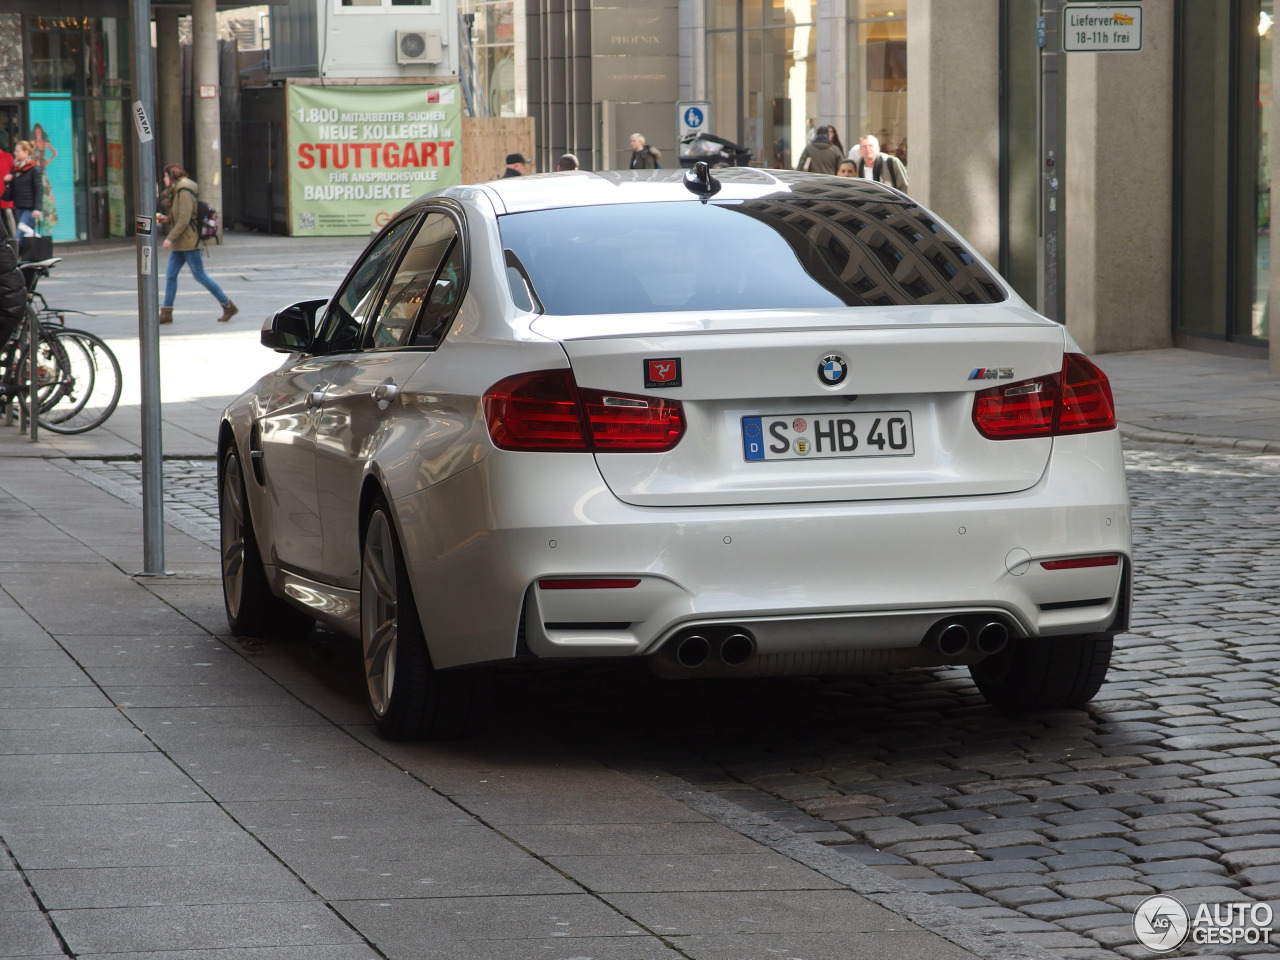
x=364, y=38
x=65, y=86
x=1162, y=168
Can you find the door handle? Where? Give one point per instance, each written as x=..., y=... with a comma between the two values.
x=384, y=393
x=315, y=397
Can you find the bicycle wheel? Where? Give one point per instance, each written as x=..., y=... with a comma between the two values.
x=53, y=373
x=89, y=386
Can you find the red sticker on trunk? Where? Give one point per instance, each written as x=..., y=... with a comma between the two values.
x=662, y=372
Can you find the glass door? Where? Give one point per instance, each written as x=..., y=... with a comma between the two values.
x=1222, y=215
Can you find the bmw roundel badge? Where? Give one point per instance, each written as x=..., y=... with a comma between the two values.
x=832, y=370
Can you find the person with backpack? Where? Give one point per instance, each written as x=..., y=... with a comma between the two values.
x=184, y=243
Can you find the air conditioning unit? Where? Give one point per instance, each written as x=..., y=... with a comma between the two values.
x=419, y=46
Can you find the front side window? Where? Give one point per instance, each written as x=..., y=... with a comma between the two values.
x=816, y=246
x=340, y=328
x=412, y=283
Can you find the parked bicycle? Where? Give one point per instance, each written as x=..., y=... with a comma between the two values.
x=78, y=379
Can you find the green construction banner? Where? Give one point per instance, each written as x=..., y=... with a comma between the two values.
x=358, y=154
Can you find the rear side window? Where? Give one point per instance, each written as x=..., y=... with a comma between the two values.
x=787, y=251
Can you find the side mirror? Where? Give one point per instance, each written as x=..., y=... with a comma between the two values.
x=292, y=329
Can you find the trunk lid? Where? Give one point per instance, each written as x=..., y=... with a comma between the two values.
x=896, y=425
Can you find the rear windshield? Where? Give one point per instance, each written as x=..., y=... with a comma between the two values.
x=783, y=252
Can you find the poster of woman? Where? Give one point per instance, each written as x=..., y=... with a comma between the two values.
x=50, y=134
x=44, y=153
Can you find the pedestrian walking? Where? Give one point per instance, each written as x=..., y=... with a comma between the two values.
x=643, y=156
x=517, y=165
x=567, y=162
x=821, y=155
x=24, y=187
x=881, y=167
x=184, y=243
x=847, y=168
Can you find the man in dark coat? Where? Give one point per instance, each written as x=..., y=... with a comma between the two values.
x=517, y=165
x=13, y=291
x=643, y=156
x=821, y=155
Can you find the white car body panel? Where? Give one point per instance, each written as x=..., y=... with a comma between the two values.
x=819, y=557
x=727, y=376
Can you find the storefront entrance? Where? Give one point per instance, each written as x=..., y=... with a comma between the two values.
x=1222, y=216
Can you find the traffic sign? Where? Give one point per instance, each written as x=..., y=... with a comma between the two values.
x=1100, y=28
x=692, y=116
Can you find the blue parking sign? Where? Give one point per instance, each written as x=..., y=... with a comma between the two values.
x=692, y=117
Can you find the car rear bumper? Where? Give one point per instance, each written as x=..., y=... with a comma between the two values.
x=810, y=578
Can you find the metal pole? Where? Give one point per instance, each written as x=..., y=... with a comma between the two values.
x=148, y=331
x=740, y=75
x=1048, y=36
x=33, y=382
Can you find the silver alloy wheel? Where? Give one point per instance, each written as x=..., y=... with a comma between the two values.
x=379, y=612
x=232, y=529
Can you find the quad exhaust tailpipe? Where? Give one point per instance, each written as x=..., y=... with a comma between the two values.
x=953, y=640
x=692, y=650
x=736, y=649
x=723, y=647
x=969, y=636
x=992, y=638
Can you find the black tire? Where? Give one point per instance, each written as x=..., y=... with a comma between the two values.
x=1044, y=673
x=409, y=699
x=252, y=609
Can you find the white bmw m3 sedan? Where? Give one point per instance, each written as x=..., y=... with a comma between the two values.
x=734, y=422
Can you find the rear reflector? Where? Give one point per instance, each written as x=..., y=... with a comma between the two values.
x=547, y=411
x=1075, y=400
x=613, y=583
x=1075, y=563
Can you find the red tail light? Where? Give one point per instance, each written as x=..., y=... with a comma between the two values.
x=1077, y=400
x=547, y=411
x=1086, y=397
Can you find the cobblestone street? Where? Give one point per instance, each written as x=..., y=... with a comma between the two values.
x=1053, y=826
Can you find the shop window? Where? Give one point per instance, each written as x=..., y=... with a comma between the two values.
x=1222, y=169
x=78, y=81
x=762, y=75
x=493, y=42
x=878, y=74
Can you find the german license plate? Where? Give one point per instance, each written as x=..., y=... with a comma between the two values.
x=825, y=436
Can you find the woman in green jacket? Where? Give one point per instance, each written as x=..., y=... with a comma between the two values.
x=183, y=244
